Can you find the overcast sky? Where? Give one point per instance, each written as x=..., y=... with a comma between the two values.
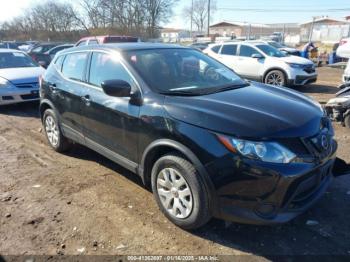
x=235, y=10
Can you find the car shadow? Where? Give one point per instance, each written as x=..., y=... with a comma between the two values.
x=317, y=88
x=327, y=237
x=27, y=109
x=84, y=153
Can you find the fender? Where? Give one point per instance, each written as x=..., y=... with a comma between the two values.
x=192, y=157
x=47, y=102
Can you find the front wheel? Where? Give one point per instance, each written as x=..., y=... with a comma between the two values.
x=179, y=192
x=276, y=78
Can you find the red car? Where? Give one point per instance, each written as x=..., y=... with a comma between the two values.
x=95, y=40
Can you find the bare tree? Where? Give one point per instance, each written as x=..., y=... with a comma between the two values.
x=200, y=13
x=58, y=20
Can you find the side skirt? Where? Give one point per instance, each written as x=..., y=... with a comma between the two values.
x=79, y=138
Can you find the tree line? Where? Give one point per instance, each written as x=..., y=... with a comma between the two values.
x=61, y=21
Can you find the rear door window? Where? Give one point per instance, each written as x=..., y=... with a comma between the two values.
x=229, y=50
x=74, y=66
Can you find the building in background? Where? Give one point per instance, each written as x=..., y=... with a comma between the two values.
x=174, y=35
x=324, y=29
x=251, y=30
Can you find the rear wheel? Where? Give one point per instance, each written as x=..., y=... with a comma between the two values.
x=276, y=78
x=179, y=192
x=347, y=121
x=53, y=132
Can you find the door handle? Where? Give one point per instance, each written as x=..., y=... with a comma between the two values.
x=86, y=100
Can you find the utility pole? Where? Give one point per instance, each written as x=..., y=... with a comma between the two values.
x=208, y=18
x=191, y=20
x=312, y=28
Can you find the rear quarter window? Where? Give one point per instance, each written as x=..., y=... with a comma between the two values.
x=74, y=66
x=216, y=48
x=58, y=62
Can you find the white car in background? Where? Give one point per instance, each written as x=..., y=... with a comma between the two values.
x=344, y=51
x=259, y=61
x=19, y=77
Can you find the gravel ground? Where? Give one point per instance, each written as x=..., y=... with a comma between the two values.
x=82, y=203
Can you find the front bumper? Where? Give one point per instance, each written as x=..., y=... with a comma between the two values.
x=15, y=95
x=265, y=193
x=303, y=80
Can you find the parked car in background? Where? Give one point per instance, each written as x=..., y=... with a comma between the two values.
x=344, y=48
x=40, y=49
x=8, y=45
x=26, y=46
x=338, y=108
x=45, y=59
x=200, y=46
x=277, y=37
x=261, y=62
x=95, y=40
x=19, y=77
x=281, y=47
x=206, y=141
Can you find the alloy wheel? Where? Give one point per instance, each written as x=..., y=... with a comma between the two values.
x=51, y=130
x=174, y=193
x=275, y=78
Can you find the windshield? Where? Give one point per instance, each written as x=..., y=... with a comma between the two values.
x=275, y=44
x=270, y=51
x=182, y=71
x=15, y=60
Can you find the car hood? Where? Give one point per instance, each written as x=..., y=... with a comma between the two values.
x=296, y=60
x=257, y=111
x=289, y=49
x=22, y=75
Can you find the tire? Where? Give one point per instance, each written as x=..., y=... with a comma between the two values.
x=275, y=77
x=191, y=188
x=347, y=121
x=53, y=132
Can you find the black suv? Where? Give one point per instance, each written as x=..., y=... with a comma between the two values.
x=207, y=142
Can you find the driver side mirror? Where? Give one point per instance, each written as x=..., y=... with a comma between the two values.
x=116, y=88
x=257, y=56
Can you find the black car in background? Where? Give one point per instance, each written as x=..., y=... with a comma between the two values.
x=207, y=142
x=44, y=59
x=37, y=51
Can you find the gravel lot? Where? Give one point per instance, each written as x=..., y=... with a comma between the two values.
x=82, y=203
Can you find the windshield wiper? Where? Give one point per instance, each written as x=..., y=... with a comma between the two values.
x=230, y=87
x=180, y=93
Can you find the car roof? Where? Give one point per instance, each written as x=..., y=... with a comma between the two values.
x=6, y=50
x=123, y=47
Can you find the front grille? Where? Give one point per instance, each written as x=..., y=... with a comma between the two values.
x=28, y=85
x=30, y=96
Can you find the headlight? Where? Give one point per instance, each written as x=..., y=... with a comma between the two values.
x=4, y=82
x=298, y=66
x=265, y=151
